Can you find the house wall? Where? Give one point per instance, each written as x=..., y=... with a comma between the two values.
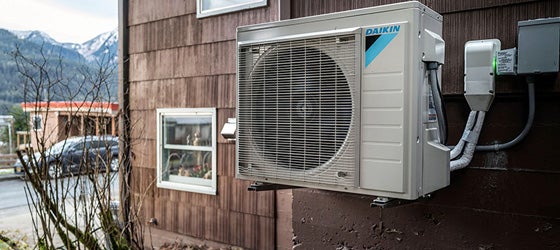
x=179, y=61
x=48, y=134
x=503, y=200
x=506, y=199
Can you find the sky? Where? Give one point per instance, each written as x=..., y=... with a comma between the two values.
x=74, y=21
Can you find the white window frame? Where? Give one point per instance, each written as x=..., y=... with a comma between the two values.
x=33, y=117
x=232, y=7
x=182, y=183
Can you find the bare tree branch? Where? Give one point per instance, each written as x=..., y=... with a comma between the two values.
x=75, y=212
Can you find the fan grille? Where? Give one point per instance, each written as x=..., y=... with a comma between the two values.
x=296, y=109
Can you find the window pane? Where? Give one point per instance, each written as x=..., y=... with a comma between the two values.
x=187, y=130
x=215, y=7
x=37, y=120
x=186, y=163
x=218, y=4
x=186, y=150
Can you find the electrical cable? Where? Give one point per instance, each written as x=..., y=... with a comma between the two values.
x=436, y=97
x=525, y=131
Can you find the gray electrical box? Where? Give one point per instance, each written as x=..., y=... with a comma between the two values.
x=538, y=46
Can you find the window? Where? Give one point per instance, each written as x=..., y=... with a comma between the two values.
x=186, y=149
x=206, y=8
x=36, y=122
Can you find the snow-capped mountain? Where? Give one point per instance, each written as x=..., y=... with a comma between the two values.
x=102, y=47
x=74, y=59
x=34, y=36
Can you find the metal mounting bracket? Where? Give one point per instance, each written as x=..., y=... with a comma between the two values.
x=261, y=186
x=385, y=202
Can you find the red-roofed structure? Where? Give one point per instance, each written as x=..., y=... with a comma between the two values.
x=54, y=121
x=114, y=107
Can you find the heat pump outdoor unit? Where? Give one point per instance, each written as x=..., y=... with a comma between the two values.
x=342, y=102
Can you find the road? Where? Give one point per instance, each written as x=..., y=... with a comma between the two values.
x=15, y=217
x=12, y=199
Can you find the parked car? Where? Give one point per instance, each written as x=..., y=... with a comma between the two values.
x=78, y=155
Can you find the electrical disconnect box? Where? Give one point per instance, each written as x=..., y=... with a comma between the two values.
x=479, y=72
x=538, y=46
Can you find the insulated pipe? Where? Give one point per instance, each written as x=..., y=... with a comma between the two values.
x=436, y=96
x=528, y=124
x=471, y=145
x=468, y=127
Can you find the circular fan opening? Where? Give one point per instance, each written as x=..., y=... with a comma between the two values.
x=301, y=107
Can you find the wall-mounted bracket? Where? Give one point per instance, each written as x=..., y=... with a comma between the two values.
x=385, y=202
x=261, y=186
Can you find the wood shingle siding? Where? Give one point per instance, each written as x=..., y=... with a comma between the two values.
x=196, y=60
x=144, y=11
x=499, y=201
x=179, y=61
x=504, y=200
x=194, y=91
x=187, y=30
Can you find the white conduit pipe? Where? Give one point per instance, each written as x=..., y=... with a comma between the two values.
x=471, y=139
x=468, y=127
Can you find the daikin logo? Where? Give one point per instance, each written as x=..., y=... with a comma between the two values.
x=383, y=30
x=377, y=39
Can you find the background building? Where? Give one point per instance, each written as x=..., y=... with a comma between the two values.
x=51, y=122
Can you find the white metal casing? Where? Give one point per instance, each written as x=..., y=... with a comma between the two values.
x=479, y=72
x=390, y=149
x=434, y=47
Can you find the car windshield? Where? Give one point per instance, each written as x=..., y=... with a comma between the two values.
x=60, y=146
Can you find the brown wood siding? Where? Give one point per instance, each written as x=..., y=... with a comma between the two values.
x=204, y=91
x=502, y=200
x=304, y=8
x=144, y=11
x=200, y=60
x=179, y=61
x=187, y=30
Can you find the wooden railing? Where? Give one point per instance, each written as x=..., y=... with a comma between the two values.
x=7, y=161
